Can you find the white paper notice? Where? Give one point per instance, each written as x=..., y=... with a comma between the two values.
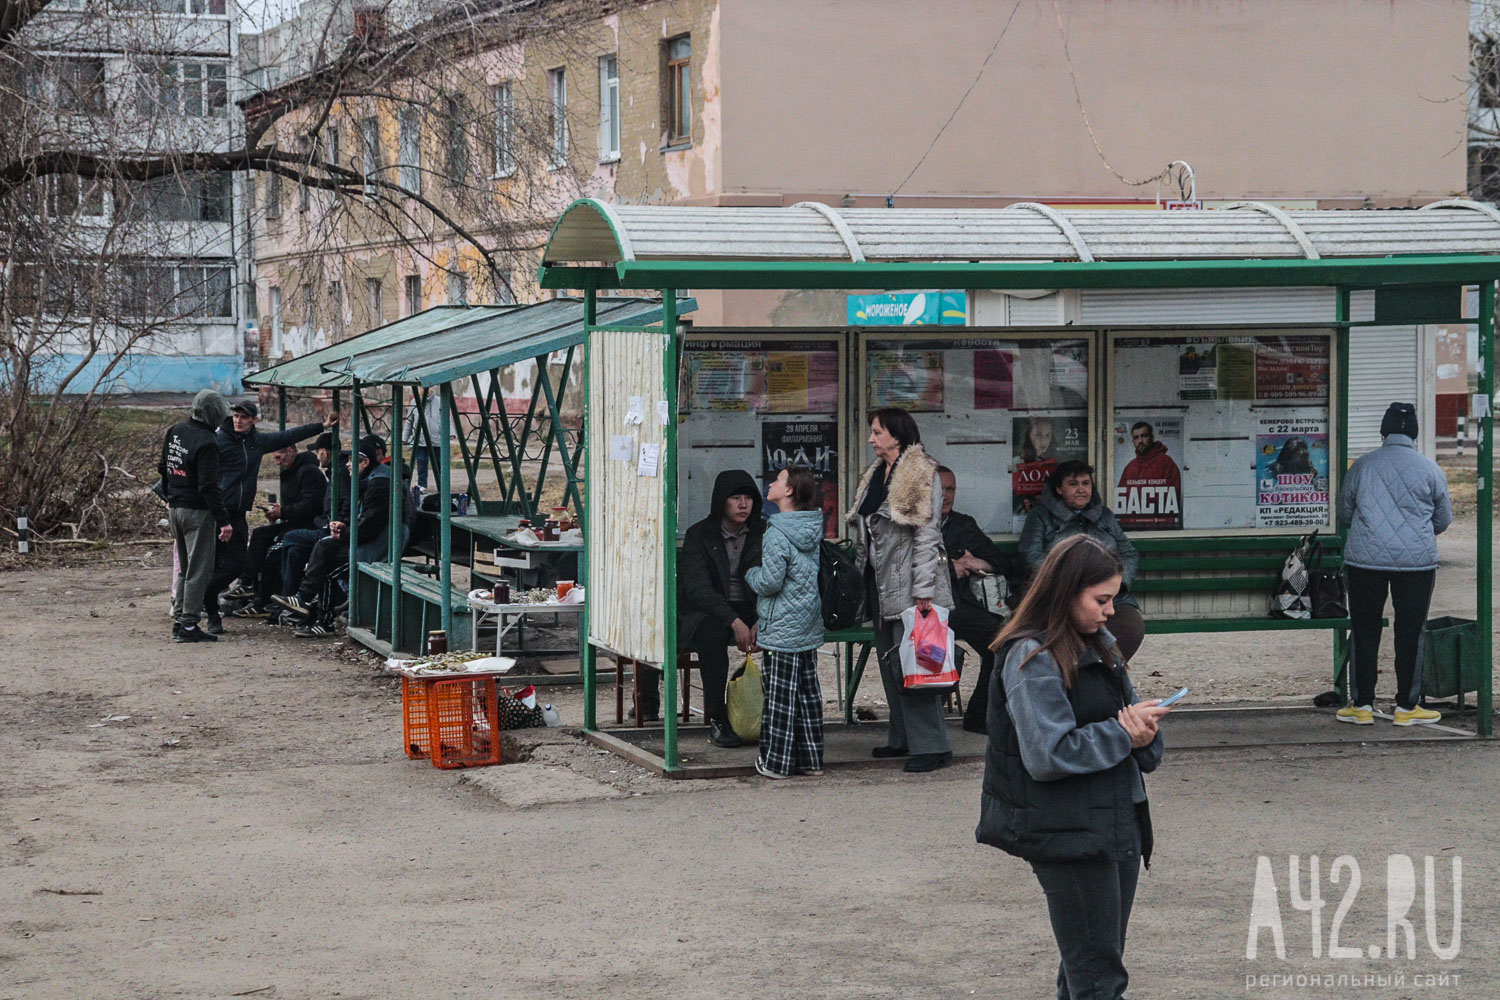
x=1481, y=404
x=650, y=454
x=637, y=412
x=622, y=447
x=662, y=413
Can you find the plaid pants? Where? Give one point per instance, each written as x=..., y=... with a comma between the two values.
x=791, y=731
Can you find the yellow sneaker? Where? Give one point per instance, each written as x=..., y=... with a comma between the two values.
x=1359, y=715
x=1418, y=716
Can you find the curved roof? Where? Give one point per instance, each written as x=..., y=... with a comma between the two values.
x=595, y=232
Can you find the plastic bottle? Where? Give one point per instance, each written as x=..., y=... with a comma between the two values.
x=437, y=642
x=550, y=716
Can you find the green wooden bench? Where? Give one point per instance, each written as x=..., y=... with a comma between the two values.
x=420, y=610
x=1185, y=585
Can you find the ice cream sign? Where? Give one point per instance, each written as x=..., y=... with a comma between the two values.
x=934, y=308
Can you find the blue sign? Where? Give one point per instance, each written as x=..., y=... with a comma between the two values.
x=935, y=308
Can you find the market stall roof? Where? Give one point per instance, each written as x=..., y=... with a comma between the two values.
x=1022, y=245
x=494, y=339
x=308, y=371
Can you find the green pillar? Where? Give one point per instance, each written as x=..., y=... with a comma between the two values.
x=1342, y=332
x=349, y=532
x=445, y=536
x=393, y=528
x=281, y=407
x=667, y=469
x=1484, y=574
x=588, y=662
x=335, y=488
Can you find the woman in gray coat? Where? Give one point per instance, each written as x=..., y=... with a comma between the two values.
x=1071, y=506
x=898, y=510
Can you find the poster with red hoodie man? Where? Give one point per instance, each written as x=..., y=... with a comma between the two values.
x=1149, y=494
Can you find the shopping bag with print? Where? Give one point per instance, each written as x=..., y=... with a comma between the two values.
x=927, y=660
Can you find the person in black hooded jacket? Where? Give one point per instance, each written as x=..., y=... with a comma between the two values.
x=715, y=606
x=301, y=497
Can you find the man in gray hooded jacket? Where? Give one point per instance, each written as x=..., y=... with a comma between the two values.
x=1395, y=502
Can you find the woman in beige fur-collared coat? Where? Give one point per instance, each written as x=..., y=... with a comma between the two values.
x=898, y=511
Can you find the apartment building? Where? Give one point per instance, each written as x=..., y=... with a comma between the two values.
x=773, y=102
x=155, y=77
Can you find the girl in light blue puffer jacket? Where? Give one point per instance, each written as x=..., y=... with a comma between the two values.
x=791, y=628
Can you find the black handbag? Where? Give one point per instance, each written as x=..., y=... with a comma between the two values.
x=1326, y=589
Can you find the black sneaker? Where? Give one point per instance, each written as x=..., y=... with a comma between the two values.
x=312, y=630
x=253, y=611
x=215, y=624
x=294, y=604
x=192, y=633
x=176, y=628
x=240, y=592
x=721, y=734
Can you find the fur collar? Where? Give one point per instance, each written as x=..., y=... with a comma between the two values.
x=910, y=490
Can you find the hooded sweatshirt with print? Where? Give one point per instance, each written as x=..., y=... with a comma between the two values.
x=791, y=612
x=189, y=464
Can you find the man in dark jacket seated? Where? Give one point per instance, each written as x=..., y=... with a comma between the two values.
x=331, y=552
x=715, y=607
x=971, y=553
x=299, y=501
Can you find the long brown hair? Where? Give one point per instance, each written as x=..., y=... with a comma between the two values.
x=1046, y=612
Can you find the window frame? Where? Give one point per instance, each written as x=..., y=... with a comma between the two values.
x=609, y=108
x=502, y=100
x=368, y=128
x=409, y=148
x=557, y=116
x=413, y=282
x=677, y=77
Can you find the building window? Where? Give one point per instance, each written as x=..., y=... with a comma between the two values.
x=333, y=156
x=1484, y=63
x=457, y=114
x=215, y=7
x=413, y=294
x=273, y=195
x=196, y=197
x=505, y=292
x=336, y=308
x=458, y=288
x=369, y=144
x=505, y=157
x=176, y=88
x=557, y=87
x=372, y=301
x=609, y=109
x=276, y=322
x=67, y=83
x=678, y=83
x=1484, y=173
x=62, y=196
x=410, y=151
x=186, y=291
x=309, y=304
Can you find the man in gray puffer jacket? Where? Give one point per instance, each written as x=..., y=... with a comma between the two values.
x=1395, y=502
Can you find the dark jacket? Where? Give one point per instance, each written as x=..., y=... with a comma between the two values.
x=302, y=488
x=703, y=563
x=1051, y=520
x=240, y=455
x=370, y=536
x=1061, y=780
x=961, y=533
x=325, y=512
x=189, y=464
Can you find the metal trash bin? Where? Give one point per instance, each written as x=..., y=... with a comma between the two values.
x=1450, y=657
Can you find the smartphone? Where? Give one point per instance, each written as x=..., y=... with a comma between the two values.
x=1167, y=702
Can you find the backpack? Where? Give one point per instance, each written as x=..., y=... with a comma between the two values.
x=840, y=587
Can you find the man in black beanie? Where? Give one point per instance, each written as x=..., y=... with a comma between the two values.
x=1395, y=503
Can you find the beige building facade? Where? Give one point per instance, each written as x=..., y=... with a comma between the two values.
x=1306, y=103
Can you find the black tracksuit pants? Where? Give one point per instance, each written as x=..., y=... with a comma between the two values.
x=978, y=628
x=1411, y=594
x=229, y=561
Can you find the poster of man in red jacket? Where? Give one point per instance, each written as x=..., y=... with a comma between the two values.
x=1149, y=494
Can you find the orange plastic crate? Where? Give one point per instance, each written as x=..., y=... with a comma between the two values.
x=414, y=691
x=463, y=722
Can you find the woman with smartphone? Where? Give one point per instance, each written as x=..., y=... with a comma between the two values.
x=1068, y=743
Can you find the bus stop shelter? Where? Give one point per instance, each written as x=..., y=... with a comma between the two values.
x=661, y=397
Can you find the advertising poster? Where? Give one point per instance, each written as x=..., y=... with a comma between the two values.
x=1215, y=370
x=761, y=377
x=1038, y=444
x=1292, y=368
x=726, y=380
x=934, y=308
x=802, y=382
x=1148, y=493
x=911, y=379
x=994, y=379
x=810, y=443
x=1291, y=472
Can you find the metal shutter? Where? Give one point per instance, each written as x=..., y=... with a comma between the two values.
x=1240, y=306
x=1387, y=364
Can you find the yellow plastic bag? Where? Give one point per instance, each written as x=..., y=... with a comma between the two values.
x=746, y=699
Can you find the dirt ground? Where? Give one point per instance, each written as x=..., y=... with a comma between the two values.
x=239, y=819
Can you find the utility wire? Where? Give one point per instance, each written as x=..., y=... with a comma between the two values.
x=960, y=105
